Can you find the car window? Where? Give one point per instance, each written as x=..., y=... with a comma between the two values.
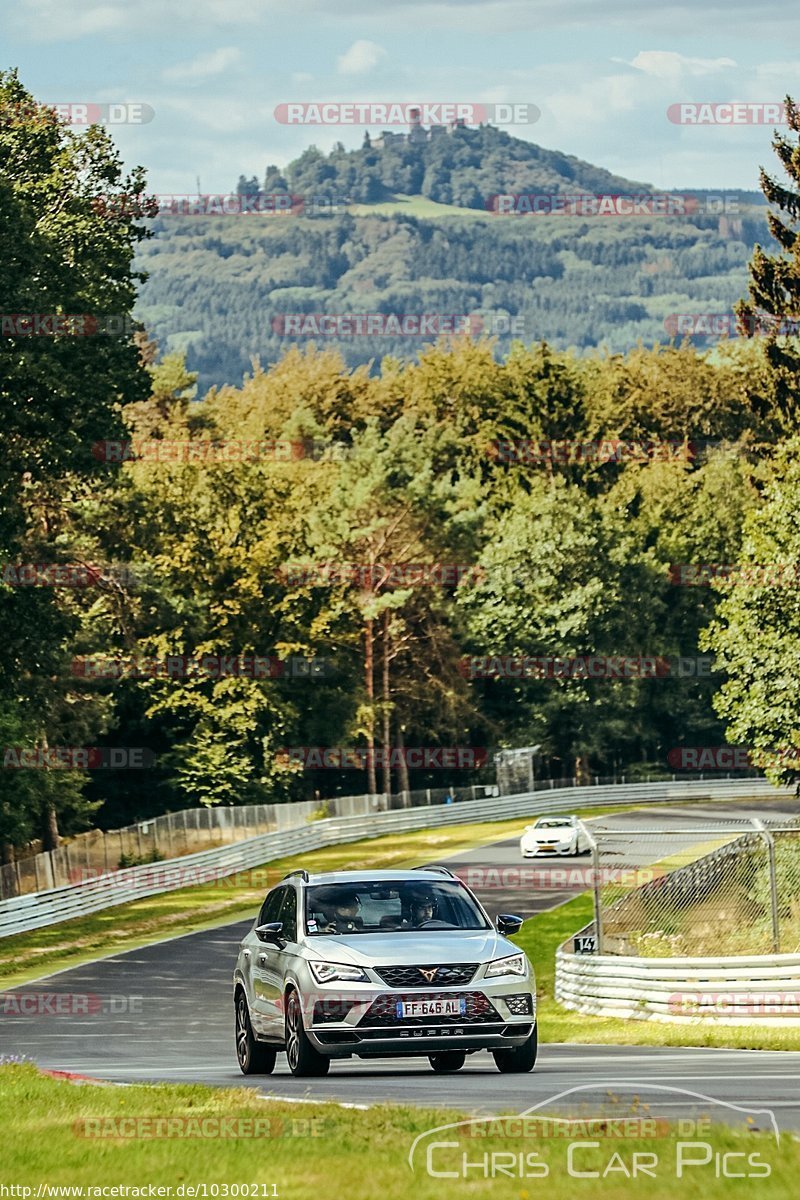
x=272, y=906
x=288, y=915
x=380, y=906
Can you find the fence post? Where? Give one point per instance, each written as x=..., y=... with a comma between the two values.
x=598, y=917
x=773, y=883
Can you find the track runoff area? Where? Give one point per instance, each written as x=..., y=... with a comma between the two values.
x=164, y=1012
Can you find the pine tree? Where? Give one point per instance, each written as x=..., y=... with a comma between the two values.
x=774, y=305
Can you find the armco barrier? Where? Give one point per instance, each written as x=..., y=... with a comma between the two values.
x=38, y=909
x=759, y=989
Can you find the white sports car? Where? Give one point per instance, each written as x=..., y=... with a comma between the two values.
x=553, y=835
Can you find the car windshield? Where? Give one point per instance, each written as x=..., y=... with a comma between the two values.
x=554, y=823
x=401, y=906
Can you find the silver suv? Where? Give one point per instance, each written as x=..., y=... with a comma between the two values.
x=377, y=964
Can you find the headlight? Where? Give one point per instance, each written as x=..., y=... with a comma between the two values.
x=515, y=964
x=326, y=972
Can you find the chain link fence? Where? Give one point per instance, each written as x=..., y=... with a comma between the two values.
x=190, y=830
x=709, y=889
x=174, y=835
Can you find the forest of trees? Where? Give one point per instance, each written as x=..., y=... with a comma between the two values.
x=252, y=550
x=219, y=286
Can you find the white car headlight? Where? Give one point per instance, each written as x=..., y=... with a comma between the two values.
x=327, y=972
x=515, y=964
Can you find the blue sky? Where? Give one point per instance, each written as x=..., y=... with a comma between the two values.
x=603, y=73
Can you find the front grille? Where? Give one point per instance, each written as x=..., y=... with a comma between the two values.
x=383, y=1011
x=407, y=977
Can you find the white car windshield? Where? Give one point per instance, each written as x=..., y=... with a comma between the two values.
x=553, y=824
x=391, y=907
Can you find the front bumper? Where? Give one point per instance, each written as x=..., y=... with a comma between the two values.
x=534, y=850
x=500, y=1014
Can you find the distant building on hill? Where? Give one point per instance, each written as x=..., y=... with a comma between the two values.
x=417, y=133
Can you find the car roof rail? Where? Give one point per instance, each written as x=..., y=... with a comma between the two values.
x=301, y=871
x=437, y=868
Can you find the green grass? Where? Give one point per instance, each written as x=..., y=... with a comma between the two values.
x=29, y=956
x=541, y=936
x=318, y=1150
x=414, y=206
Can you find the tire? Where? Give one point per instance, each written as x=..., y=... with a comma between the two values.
x=301, y=1056
x=447, y=1060
x=254, y=1057
x=520, y=1059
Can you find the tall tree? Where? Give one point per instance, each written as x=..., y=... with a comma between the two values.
x=68, y=362
x=773, y=308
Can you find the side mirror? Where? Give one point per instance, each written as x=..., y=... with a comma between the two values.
x=273, y=933
x=507, y=924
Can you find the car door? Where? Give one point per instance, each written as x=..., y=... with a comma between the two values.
x=281, y=959
x=264, y=1013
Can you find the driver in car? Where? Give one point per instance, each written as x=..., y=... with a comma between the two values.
x=423, y=908
x=343, y=916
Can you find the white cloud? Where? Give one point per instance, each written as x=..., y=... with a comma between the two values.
x=667, y=64
x=204, y=66
x=362, y=56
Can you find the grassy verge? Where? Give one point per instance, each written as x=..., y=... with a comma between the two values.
x=543, y=934
x=58, y=1134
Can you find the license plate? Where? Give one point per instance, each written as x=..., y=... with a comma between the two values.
x=451, y=1007
x=542, y=846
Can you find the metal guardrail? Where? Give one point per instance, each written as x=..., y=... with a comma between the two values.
x=52, y=906
x=761, y=989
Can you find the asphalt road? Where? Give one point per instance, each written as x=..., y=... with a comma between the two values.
x=164, y=1013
